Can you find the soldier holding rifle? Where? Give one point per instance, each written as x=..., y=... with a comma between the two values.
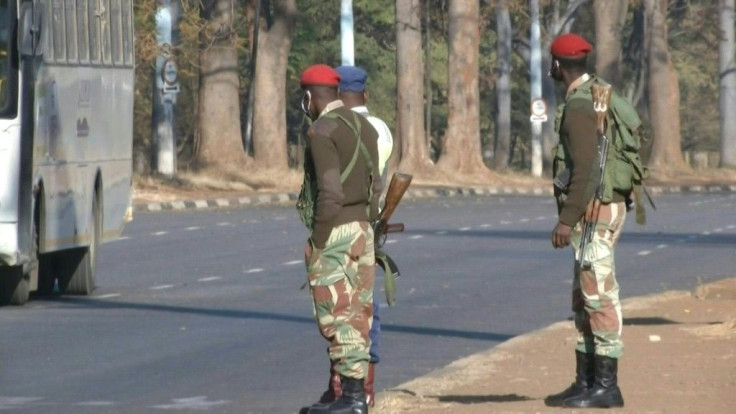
x=578, y=169
x=338, y=201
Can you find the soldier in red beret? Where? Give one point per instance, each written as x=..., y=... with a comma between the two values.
x=595, y=295
x=338, y=200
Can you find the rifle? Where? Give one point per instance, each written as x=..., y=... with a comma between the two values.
x=601, y=98
x=381, y=227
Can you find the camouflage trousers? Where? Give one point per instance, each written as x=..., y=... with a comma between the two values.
x=341, y=282
x=595, y=292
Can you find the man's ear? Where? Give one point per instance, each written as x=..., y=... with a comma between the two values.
x=366, y=95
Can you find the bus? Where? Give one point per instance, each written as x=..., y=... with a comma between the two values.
x=66, y=140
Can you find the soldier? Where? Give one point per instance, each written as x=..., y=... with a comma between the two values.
x=595, y=295
x=354, y=94
x=339, y=199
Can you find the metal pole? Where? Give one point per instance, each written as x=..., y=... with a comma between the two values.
x=248, y=144
x=346, y=33
x=536, y=87
x=427, y=76
x=165, y=90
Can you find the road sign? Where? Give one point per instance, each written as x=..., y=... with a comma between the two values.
x=539, y=110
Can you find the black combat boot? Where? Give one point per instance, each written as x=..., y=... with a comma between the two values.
x=605, y=392
x=584, y=378
x=352, y=400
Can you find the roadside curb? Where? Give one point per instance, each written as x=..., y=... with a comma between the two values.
x=412, y=193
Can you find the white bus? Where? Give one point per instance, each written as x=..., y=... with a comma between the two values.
x=66, y=136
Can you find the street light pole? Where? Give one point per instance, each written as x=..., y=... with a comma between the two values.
x=536, y=88
x=346, y=33
x=166, y=87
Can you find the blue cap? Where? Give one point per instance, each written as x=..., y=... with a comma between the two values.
x=352, y=78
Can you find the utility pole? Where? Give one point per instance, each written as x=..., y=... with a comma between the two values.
x=346, y=33
x=166, y=87
x=538, y=105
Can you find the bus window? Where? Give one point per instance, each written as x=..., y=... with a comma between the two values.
x=82, y=31
x=94, y=30
x=116, y=32
x=57, y=19
x=128, y=32
x=4, y=53
x=104, y=12
x=71, y=30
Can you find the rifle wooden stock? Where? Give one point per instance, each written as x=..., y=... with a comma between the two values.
x=399, y=184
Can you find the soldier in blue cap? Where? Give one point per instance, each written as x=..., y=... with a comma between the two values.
x=354, y=94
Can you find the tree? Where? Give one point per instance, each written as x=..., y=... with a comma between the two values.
x=461, y=150
x=610, y=17
x=269, y=112
x=219, y=104
x=727, y=76
x=414, y=153
x=503, y=86
x=664, y=93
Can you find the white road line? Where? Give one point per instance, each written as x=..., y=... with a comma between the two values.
x=192, y=228
x=392, y=241
x=661, y=246
x=96, y=403
x=159, y=233
x=209, y=279
x=107, y=296
x=120, y=239
x=293, y=262
x=524, y=220
x=441, y=233
x=485, y=226
x=416, y=237
x=254, y=270
x=223, y=224
x=504, y=222
x=191, y=403
x=731, y=226
x=541, y=218
x=705, y=233
x=718, y=230
x=463, y=229
x=161, y=287
x=644, y=253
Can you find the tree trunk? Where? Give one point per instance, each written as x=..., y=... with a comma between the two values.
x=610, y=17
x=461, y=149
x=269, y=112
x=664, y=94
x=727, y=71
x=503, y=87
x=410, y=134
x=219, y=104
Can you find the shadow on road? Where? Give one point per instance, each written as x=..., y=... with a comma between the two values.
x=249, y=314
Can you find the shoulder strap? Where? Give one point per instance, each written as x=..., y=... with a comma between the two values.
x=359, y=145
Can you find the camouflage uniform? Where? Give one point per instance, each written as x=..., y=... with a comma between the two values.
x=341, y=281
x=595, y=292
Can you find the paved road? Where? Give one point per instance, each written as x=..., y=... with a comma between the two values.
x=202, y=310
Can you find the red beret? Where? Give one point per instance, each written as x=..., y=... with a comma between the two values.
x=320, y=74
x=570, y=46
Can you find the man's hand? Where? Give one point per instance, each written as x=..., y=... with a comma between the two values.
x=561, y=236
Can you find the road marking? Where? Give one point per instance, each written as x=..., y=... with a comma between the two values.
x=120, y=239
x=644, y=253
x=661, y=246
x=293, y=262
x=731, y=226
x=392, y=241
x=10, y=402
x=504, y=222
x=464, y=229
x=209, y=279
x=441, y=233
x=541, y=218
x=192, y=228
x=191, y=403
x=524, y=220
x=161, y=287
x=485, y=226
x=223, y=224
x=96, y=403
x=159, y=233
x=417, y=237
x=108, y=296
x=705, y=233
x=718, y=230
x=254, y=270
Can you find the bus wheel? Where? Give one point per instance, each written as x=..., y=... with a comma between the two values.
x=14, y=287
x=78, y=266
